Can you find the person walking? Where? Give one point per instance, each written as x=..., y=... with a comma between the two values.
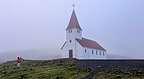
x=19, y=61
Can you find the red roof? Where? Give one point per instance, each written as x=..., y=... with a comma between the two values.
x=73, y=22
x=90, y=44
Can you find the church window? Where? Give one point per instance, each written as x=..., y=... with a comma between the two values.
x=103, y=53
x=85, y=50
x=100, y=52
x=78, y=31
x=92, y=52
x=96, y=52
x=70, y=31
x=70, y=41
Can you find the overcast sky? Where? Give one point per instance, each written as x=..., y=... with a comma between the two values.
x=118, y=25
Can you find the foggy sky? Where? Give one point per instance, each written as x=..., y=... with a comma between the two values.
x=118, y=25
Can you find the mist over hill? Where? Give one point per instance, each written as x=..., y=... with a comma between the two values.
x=29, y=54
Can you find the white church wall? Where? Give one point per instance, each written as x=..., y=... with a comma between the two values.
x=69, y=46
x=81, y=54
x=65, y=51
x=79, y=51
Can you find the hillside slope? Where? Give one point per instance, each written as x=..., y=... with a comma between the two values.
x=55, y=69
x=60, y=69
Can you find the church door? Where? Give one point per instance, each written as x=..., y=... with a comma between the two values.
x=70, y=53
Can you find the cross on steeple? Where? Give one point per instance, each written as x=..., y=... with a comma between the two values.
x=73, y=5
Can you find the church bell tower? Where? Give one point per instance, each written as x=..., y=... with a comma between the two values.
x=73, y=31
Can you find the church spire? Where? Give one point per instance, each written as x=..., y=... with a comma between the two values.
x=73, y=21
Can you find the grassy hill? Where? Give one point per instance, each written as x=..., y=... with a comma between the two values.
x=59, y=69
x=55, y=69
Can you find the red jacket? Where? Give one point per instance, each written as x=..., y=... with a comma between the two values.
x=18, y=60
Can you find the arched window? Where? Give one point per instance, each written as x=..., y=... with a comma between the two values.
x=85, y=50
x=99, y=52
x=96, y=52
x=70, y=31
x=70, y=41
x=92, y=52
x=103, y=53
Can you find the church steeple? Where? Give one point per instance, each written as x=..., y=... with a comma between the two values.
x=73, y=24
x=73, y=31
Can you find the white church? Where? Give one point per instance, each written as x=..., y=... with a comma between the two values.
x=78, y=47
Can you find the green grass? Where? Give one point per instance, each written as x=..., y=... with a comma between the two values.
x=41, y=70
x=59, y=69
